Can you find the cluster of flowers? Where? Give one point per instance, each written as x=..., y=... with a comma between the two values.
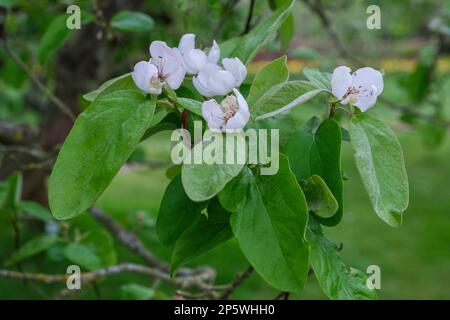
x=169, y=66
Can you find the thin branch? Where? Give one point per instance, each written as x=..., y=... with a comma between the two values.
x=248, y=24
x=54, y=99
x=240, y=279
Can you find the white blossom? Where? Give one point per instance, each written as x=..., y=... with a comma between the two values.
x=230, y=115
x=165, y=67
x=195, y=59
x=360, y=89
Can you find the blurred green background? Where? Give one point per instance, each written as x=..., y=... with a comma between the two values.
x=412, y=48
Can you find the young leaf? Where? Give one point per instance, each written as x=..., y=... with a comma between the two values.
x=31, y=248
x=270, y=227
x=191, y=105
x=122, y=82
x=56, y=35
x=203, y=181
x=315, y=150
x=271, y=74
x=94, y=251
x=13, y=192
x=336, y=280
x=205, y=235
x=287, y=29
x=247, y=46
x=35, y=210
x=320, y=79
x=283, y=94
x=379, y=158
x=131, y=21
x=101, y=140
x=319, y=197
x=176, y=213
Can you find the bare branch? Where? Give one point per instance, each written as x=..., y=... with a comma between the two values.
x=240, y=279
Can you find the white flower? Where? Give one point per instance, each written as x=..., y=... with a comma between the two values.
x=360, y=89
x=230, y=115
x=213, y=80
x=196, y=59
x=165, y=67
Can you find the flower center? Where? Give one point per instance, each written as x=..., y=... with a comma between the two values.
x=229, y=107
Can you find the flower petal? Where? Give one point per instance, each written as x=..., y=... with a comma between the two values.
x=341, y=81
x=237, y=69
x=158, y=49
x=221, y=82
x=187, y=43
x=194, y=60
x=201, y=87
x=214, y=53
x=142, y=74
x=365, y=78
x=213, y=114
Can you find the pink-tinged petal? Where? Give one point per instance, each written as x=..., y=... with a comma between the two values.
x=214, y=53
x=213, y=114
x=237, y=122
x=201, y=87
x=221, y=82
x=175, y=78
x=194, y=61
x=187, y=43
x=365, y=78
x=341, y=81
x=158, y=49
x=142, y=75
x=237, y=69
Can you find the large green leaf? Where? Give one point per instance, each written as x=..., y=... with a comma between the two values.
x=176, y=213
x=205, y=235
x=203, y=181
x=131, y=21
x=270, y=226
x=94, y=251
x=191, y=105
x=31, y=248
x=287, y=29
x=290, y=93
x=271, y=74
x=379, y=158
x=315, y=150
x=336, y=280
x=56, y=35
x=246, y=47
x=102, y=139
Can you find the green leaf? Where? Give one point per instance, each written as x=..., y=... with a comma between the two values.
x=271, y=74
x=101, y=140
x=205, y=235
x=35, y=210
x=31, y=248
x=176, y=213
x=319, y=197
x=132, y=21
x=247, y=46
x=203, y=181
x=321, y=79
x=270, y=226
x=379, y=159
x=13, y=192
x=288, y=93
x=94, y=251
x=6, y=3
x=315, y=150
x=191, y=105
x=56, y=35
x=133, y=291
x=287, y=29
x=122, y=82
x=336, y=280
